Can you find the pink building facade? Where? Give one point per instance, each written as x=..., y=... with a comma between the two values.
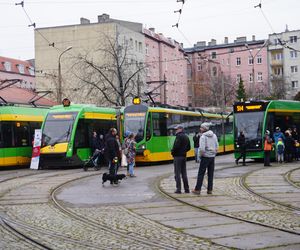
x=165, y=61
x=17, y=69
x=214, y=71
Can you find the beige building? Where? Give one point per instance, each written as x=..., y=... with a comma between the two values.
x=91, y=62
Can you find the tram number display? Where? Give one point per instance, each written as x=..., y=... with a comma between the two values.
x=248, y=108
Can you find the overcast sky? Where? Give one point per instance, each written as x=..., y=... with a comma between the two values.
x=200, y=19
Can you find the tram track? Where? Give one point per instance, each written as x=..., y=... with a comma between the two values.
x=96, y=226
x=227, y=215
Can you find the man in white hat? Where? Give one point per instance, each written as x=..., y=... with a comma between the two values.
x=208, y=148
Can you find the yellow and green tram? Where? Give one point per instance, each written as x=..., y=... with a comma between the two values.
x=17, y=125
x=255, y=117
x=155, y=134
x=67, y=133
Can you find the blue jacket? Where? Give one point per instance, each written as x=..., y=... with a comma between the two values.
x=278, y=135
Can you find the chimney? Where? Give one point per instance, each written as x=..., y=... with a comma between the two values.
x=226, y=40
x=103, y=18
x=152, y=29
x=241, y=39
x=213, y=42
x=200, y=44
x=253, y=37
x=84, y=20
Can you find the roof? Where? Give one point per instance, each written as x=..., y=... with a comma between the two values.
x=17, y=95
x=14, y=63
x=222, y=46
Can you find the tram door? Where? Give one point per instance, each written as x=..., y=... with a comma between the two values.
x=8, y=144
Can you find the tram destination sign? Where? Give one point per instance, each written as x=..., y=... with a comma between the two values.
x=249, y=107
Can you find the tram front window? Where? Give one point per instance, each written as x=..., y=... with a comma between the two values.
x=251, y=123
x=58, y=128
x=135, y=123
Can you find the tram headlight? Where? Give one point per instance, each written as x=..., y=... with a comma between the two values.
x=142, y=146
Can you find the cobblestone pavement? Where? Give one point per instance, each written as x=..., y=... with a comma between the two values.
x=136, y=215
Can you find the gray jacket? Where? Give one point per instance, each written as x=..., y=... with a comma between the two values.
x=208, y=144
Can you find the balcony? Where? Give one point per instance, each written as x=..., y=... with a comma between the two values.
x=276, y=63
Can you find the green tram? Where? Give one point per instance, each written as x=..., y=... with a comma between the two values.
x=155, y=135
x=255, y=117
x=17, y=125
x=67, y=133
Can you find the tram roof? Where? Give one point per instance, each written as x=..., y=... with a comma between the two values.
x=83, y=107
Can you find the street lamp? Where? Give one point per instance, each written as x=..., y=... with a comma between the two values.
x=59, y=91
x=253, y=61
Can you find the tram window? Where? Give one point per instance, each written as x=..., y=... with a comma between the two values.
x=159, y=124
x=22, y=134
x=7, y=133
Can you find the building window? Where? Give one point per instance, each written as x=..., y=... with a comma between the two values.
x=259, y=59
x=21, y=68
x=293, y=39
x=214, y=55
x=131, y=43
x=31, y=71
x=295, y=84
x=7, y=66
x=293, y=54
x=294, y=69
x=140, y=47
x=277, y=71
x=238, y=61
x=276, y=41
x=199, y=67
x=238, y=78
x=250, y=60
x=250, y=77
x=147, y=49
x=259, y=76
x=277, y=56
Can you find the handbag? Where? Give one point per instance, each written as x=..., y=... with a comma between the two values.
x=124, y=161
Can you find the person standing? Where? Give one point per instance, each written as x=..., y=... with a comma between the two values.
x=278, y=134
x=268, y=143
x=130, y=145
x=112, y=151
x=180, y=147
x=242, y=146
x=196, y=139
x=280, y=150
x=208, y=148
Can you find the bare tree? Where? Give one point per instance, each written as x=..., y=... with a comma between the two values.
x=111, y=72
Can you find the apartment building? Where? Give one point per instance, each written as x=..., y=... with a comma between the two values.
x=284, y=65
x=91, y=62
x=166, y=74
x=214, y=71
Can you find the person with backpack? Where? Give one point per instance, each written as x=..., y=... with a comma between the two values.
x=280, y=150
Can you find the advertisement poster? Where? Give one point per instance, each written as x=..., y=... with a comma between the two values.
x=35, y=159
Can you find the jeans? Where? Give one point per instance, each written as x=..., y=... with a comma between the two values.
x=130, y=166
x=209, y=164
x=180, y=171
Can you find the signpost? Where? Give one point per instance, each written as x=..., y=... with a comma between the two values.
x=35, y=159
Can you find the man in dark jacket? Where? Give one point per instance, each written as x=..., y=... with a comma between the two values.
x=241, y=142
x=180, y=148
x=112, y=151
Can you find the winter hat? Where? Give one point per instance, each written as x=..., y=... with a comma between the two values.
x=267, y=132
x=205, y=125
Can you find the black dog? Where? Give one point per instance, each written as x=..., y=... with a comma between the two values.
x=114, y=179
